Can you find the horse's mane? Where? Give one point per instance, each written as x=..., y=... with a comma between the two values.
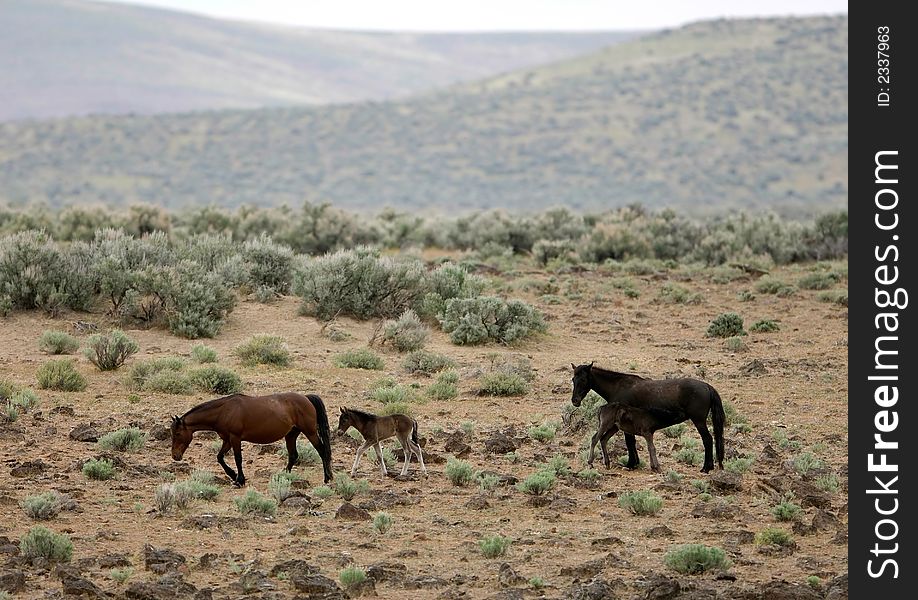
x=209, y=404
x=362, y=413
x=608, y=374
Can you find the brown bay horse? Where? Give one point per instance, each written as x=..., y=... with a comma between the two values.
x=665, y=401
x=260, y=420
x=375, y=429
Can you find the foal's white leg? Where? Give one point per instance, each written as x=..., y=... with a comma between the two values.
x=406, y=448
x=382, y=463
x=417, y=450
x=360, y=451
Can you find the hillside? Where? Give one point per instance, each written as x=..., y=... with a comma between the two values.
x=71, y=57
x=714, y=116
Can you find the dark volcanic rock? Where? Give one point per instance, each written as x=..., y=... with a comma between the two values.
x=74, y=585
x=109, y=561
x=160, y=432
x=169, y=587
x=425, y=582
x=455, y=445
x=29, y=468
x=316, y=585
x=753, y=368
x=726, y=482
x=507, y=577
x=500, y=442
x=837, y=589
x=659, y=531
x=12, y=581
x=478, y=503
x=387, y=571
x=293, y=566
x=597, y=589
x=349, y=512
x=84, y=433
x=161, y=560
x=714, y=509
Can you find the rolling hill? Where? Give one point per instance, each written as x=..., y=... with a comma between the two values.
x=71, y=57
x=715, y=116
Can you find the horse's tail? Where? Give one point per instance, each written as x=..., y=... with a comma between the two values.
x=324, y=434
x=719, y=418
x=414, y=432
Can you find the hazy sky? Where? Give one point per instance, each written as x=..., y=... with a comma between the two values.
x=485, y=15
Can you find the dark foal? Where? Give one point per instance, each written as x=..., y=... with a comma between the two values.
x=631, y=421
x=375, y=429
x=258, y=419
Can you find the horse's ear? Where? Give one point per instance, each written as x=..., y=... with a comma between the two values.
x=176, y=418
x=343, y=410
x=591, y=363
x=573, y=366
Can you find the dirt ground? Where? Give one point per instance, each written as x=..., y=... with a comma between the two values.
x=798, y=388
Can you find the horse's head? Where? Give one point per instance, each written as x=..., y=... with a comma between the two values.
x=344, y=421
x=583, y=382
x=181, y=437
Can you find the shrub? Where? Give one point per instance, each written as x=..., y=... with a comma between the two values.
x=806, y=462
x=745, y=296
x=502, y=384
x=60, y=375
x=839, y=297
x=168, y=382
x=306, y=454
x=24, y=399
x=816, y=281
x=578, y=417
x=536, y=582
x=738, y=465
x=323, y=492
x=142, y=371
x=444, y=283
x=129, y=439
x=488, y=318
x=6, y=305
x=198, y=300
x=198, y=489
x=264, y=350
x=701, y=486
x=726, y=325
x=347, y=488
x=589, y=475
x=270, y=265
x=774, y=536
x=32, y=270
x=422, y=361
x=445, y=387
x=172, y=495
x=121, y=575
x=382, y=522
x=691, y=559
x=641, y=502
x=543, y=433
x=58, y=342
x=280, y=486
x=397, y=408
x=351, y=576
x=786, y=509
x=215, y=379
x=359, y=283
x=690, y=456
x=459, y=472
x=41, y=542
x=99, y=469
x=42, y=507
x=254, y=503
x=362, y=358
x=814, y=582
x=494, y=546
x=675, y=294
x=674, y=431
x=672, y=477
x=407, y=333
x=467, y=427
x=108, y=351
x=537, y=483
x=202, y=354
x=736, y=344
x=487, y=483
x=391, y=393
x=9, y=413
x=828, y=483
x=558, y=465
x=769, y=285
x=764, y=326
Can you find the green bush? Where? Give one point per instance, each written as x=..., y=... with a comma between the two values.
x=726, y=325
x=675, y=431
x=786, y=509
x=323, y=492
x=169, y=382
x=690, y=456
x=397, y=408
x=675, y=294
x=43, y=507
x=738, y=465
x=701, y=486
x=58, y=342
x=817, y=281
x=108, y=351
x=764, y=326
x=351, y=576
x=254, y=503
x=32, y=271
x=589, y=475
x=347, y=488
x=490, y=319
x=558, y=465
x=641, y=502
x=692, y=559
x=198, y=300
x=387, y=391
x=280, y=486
x=428, y=363
x=487, y=483
x=41, y=542
x=100, y=469
x=406, y=333
x=270, y=265
x=839, y=297
x=445, y=387
x=215, y=379
x=444, y=283
x=459, y=472
x=23, y=400
x=502, y=384
x=141, y=372
x=362, y=358
x=578, y=417
x=129, y=439
x=61, y=376
x=197, y=489
x=543, y=433
x=672, y=477
x=306, y=454
x=769, y=285
x=828, y=483
x=264, y=350
x=382, y=522
x=359, y=283
x=805, y=462
x=774, y=536
x=203, y=354
x=121, y=575
x=537, y=483
x=494, y=546
x=735, y=344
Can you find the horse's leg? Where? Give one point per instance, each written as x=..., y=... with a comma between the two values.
x=633, y=459
x=223, y=450
x=360, y=451
x=407, y=449
x=417, y=450
x=382, y=463
x=292, y=455
x=702, y=426
x=652, y=450
x=603, y=440
x=237, y=454
x=593, y=448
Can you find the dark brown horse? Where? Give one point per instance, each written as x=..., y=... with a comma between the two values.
x=258, y=419
x=374, y=429
x=669, y=401
x=631, y=421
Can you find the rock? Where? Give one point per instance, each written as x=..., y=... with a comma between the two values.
x=507, y=577
x=782, y=590
x=455, y=445
x=255, y=581
x=753, y=368
x=316, y=585
x=293, y=566
x=777, y=550
x=110, y=561
x=387, y=571
x=563, y=504
x=500, y=443
x=734, y=539
x=584, y=570
x=12, y=581
x=769, y=455
x=538, y=501
x=367, y=587
x=84, y=433
x=597, y=589
x=508, y=595
x=66, y=411
x=161, y=560
x=661, y=587
x=453, y=593
x=726, y=482
x=349, y=512
x=29, y=468
x=160, y=432
x=659, y=531
x=302, y=505
x=387, y=499
x=478, y=503
x=207, y=561
x=837, y=589
x=208, y=521
x=169, y=587
x=823, y=520
x=74, y=585
x=502, y=478
x=425, y=582
x=841, y=537
x=806, y=493
x=714, y=509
